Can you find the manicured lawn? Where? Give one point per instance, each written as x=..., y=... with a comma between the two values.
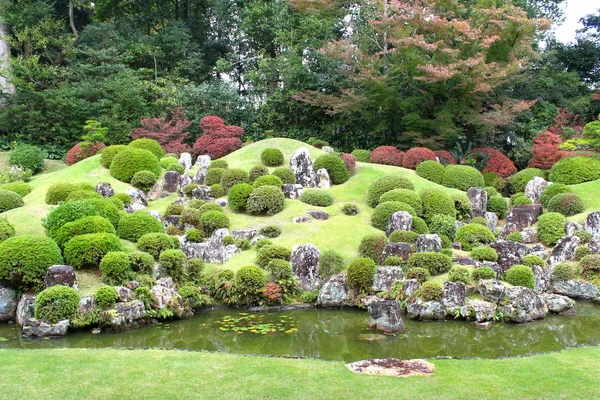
x=589, y=193
x=161, y=374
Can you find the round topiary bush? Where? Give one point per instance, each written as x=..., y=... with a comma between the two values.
x=286, y=175
x=19, y=187
x=551, y=227
x=125, y=198
x=462, y=177
x=175, y=167
x=106, y=297
x=404, y=237
x=210, y=207
x=272, y=252
x=483, y=273
x=330, y=263
x=115, y=268
x=316, y=197
x=267, y=180
x=431, y=170
x=531, y=260
x=83, y=226
x=387, y=155
x=218, y=164
x=265, y=199
x=59, y=192
x=362, y=155
x=270, y=231
x=519, y=199
x=217, y=191
x=491, y=191
x=195, y=270
x=155, y=243
x=67, y=212
x=86, y=251
x=350, y=209
x=462, y=205
x=405, y=196
x=238, y=196
x=256, y=172
x=24, y=260
x=83, y=195
x=417, y=155
x=429, y=291
x=6, y=229
x=383, y=212
x=371, y=246
x=436, y=202
x=271, y=157
x=10, y=200
x=551, y=191
x=564, y=272
x=350, y=162
x=133, y=226
x=27, y=156
x=56, y=303
x=360, y=274
x=567, y=204
x=494, y=180
x=419, y=226
x=212, y=220
x=520, y=275
x=384, y=185
x=519, y=181
x=142, y=263
x=420, y=274
x=574, y=170
x=435, y=263
x=484, y=253
x=195, y=235
x=262, y=243
x=167, y=161
x=459, y=274
x=580, y=252
x=175, y=263
x=335, y=166
x=143, y=180
x=150, y=145
x=472, y=235
x=191, y=216
x=590, y=266
x=231, y=177
x=249, y=282
x=108, y=153
x=279, y=270
x=213, y=176
x=515, y=237
x=479, y=220
x=129, y=161
x=498, y=205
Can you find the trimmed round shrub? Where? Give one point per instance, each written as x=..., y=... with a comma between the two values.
x=249, y=282
x=143, y=180
x=106, y=297
x=574, y=170
x=430, y=291
x=125, y=198
x=404, y=237
x=155, y=243
x=6, y=229
x=270, y=231
x=174, y=209
x=213, y=176
x=267, y=180
x=330, y=263
x=419, y=226
x=272, y=252
x=271, y=157
x=280, y=270
x=564, y=272
x=435, y=263
x=472, y=235
x=188, y=190
x=19, y=187
x=436, y=202
x=462, y=177
x=27, y=156
x=210, y=207
x=265, y=199
x=210, y=221
x=361, y=273
x=491, y=191
x=191, y=216
x=133, y=226
x=462, y=205
x=256, y=172
x=387, y=155
x=479, y=220
x=484, y=253
x=232, y=177
x=316, y=197
x=520, y=275
x=86, y=251
x=551, y=191
x=175, y=263
x=168, y=161
x=384, y=185
x=24, y=260
x=519, y=181
x=238, y=196
x=83, y=226
x=431, y=170
x=286, y=175
x=459, y=274
x=115, y=268
x=494, y=180
x=59, y=192
x=67, y=212
x=383, y=212
x=417, y=155
x=498, y=205
x=83, y=195
x=176, y=168
x=56, y=303
x=350, y=209
x=362, y=155
x=108, y=153
x=519, y=199
x=532, y=260
x=195, y=270
x=129, y=161
x=218, y=164
x=580, y=252
x=10, y=200
x=551, y=227
x=262, y=243
x=242, y=244
x=217, y=191
x=335, y=166
x=142, y=263
x=150, y=145
x=515, y=237
x=590, y=266
x=420, y=274
x=350, y=162
x=567, y=204
x=405, y=196
x=483, y=273
x=393, y=261
x=196, y=235
x=585, y=236
x=371, y=246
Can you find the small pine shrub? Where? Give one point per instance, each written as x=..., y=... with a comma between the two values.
x=286, y=175
x=271, y=157
x=86, y=251
x=174, y=209
x=155, y=243
x=133, y=226
x=27, y=157
x=431, y=170
x=580, y=252
x=460, y=274
x=330, y=263
x=106, y=297
x=10, y=200
x=371, y=246
x=126, y=163
x=142, y=263
x=279, y=270
x=551, y=227
x=361, y=273
x=484, y=253
x=194, y=235
x=175, y=263
x=435, y=263
x=515, y=237
x=150, y=145
x=270, y=231
x=384, y=185
x=420, y=274
x=498, y=205
x=228, y=240
x=564, y=272
x=212, y=220
x=393, y=261
x=350, y=209
x=217, y=191
x=471, y=235
x=519, y=199
x=175, y=167
x=6, y=229
x=430, y=291
x=404, y=237
x=567, y=204
x=232, y=177
x=335, y=166
x=115, y=268
x=462, y=205
x=265, y=200
x=317, y=198
x=56, y=303
x=383, y=212
x=262, y=243
x=267, y=180
x=272, y=252
x=213, y=176
x=590, y=266
x=520, y=275
x=167, y=161
x=144, y=180
x=483, y=273
x=249, y=282
x=462, y=177
x=443, y=225
x=195, y=270
x=256, y=172
x=585, y=236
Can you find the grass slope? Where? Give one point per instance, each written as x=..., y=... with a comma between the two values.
x=590, y=194
x=156, y=374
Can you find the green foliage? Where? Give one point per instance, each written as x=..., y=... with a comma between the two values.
x=371, y=246
x=174, y=209
x=520, y=275
x=249, y=282
x=176, y=168
x=213, y=176
x=144, y=295
x=6, y=229
x=515, y=237
x=551, y=191
x=590, y=266
x=195, y=270
x=567, y=204
x=218, y=164
x=462, y=177
x=59, y=192
x=279, y=270
x=384, y=185
x=9, y=200
x=217, y=191
x=551, y=227
x=393, y=261
x=175, y=263
x=419, y=226
x=125, y=198
x=350, y=209
x=133, y=226
x=56, y=303
x=107, y=154
x=429, y=291
x=210, y=221
x=210, y=207
x=27, y=157
x=580, y=252
x=472, y=235
x=270, y=252
x=270, y=231
x=460, y=274
x=167, y=161
x=19, y=187
x=495, y=181
x=106, y=297
x=191, y=216
x=148, y=144
x=404, y=196
x=418, y=273
x=286, y=175
x=258, y=171
x=228, y=240
x=431, y=170
x=187, y=191
x=265, y=199
x=484, y=253
x=463, y=206
x=361, y=273
x=271, y=157
x=65, y=213
x=86, y=251
x=330, y=263
x=574, y=170
x=270, y=180
x=362, y=155
x=83, y=195
x=532, y=260
x=519, y=181
x=519, y=199
x=585, y=236
x=498, y=205
x=404, y=237
x=82, y=226
x=479, y=220
x=129, y=161
x=242, y=244
x=483, y=273
x=491, y=191
x=115, y=268
x=154, y=243
x=194, y=235
x=233, y=177
x=335, y=166
x=564, y=272
x=383, y=212
x=24, y=260
x=436, y=202
x=433, y=262
x=141, y=262
x=143, y=180
x=317, y=197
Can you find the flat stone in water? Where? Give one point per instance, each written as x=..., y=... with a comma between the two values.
x=392, y=367
x=371, y=337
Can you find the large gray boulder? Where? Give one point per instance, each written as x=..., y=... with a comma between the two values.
x=576, y=290
x=592, y=224
x=185, y=160
x=386, y=316
x=125, y=294
x=86, y=303
x=172, y=181
x=522, y=305
x=138, y=200
x=564, y=250
x=478, y=198
x=292, y=191
x=399, y=249
x=454, y=295
x=37, y=328
x=492, y=220
x=425, y=310
x=480, y=310
x=334, y=293
x=385, y=277
x=322, y=180
x=105, y=189
x=302, y=166
x=491, y=290
x=429, y=242
x=126, y=316
x=8, y=304
x=542, y=278
x=509, y=253
x=202, y=193
x=244, y=233
x=411, y=286
x=557, y=303
x=535, y=187
x=60, y=275
x=165, y=295
x=521, y=216
x=319, y=215
x=212, y=250
x=25, y=308
x=530, y=235
x=156, y=191
x=399, y=221
x=572, y=227
x=203, y=161
x=305, y=264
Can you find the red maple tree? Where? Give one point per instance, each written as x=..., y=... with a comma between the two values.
x=497, y=162
x=217, y=139
x=545, y=152
x=171, y=134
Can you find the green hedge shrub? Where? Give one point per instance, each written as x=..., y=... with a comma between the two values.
x=129, y=161
x=436, y=202
x=286, y=175
x=484, y=253
x=217, y=191
x=67, y=212
x=330, y=263
x=498, y=205
x=491, y=191
x=371, y=246
x=267, y=180
x=83, y=195
x=107, y=154
x=483, y=273
x=213, y=176
x=142, y=263
x=316, y=197
x=519, y=181
x=168, y=161
x=567, y=204
x=210, y=207
x=279, y=270
x=231, y=177
x=262, y=243
x=472, y=235
x=27, y=156
x=362, y=155
x=249, y=282
x=272, y=252
x=551, y=191
x=431, y=170
x=271, y=157
x=256, y=172
x=218, y=164
x=194, y=235
x=133, y=226
x=520, y=275
x=125, y=198
x=174, y=209
x=551, y=227
x=383, y=212
x=19, y=187
x=479, y=220
x=420, y=274
x=107, y=210
x=384, y=185
x=115, y=268
x=404, y=237
x=519, y=199
x=82, y=226
x=574, y=170
x=195, y=270
x=270, y=231
x=419, y=226
x=265, y=199
x=335, y=166
x=212, y=220
x=191, y=216
x=531, y=260
x=429, y=291
x=56, y=303
x=590, y=266
x=86, y=251
x=404, y=196
x=175, y=263
x=462, y=205
x=459, y=274
x=106, y=297
x=350, y=209
x=175, y=167
x=580, y=252
x=462, y=177
x=10, y=200
x=59, y=192
x=564, y=272
x=6, y=229
x=361, y=273
x=144, y=180
x=435, y=263
x=155, y=243
x=494, y=180
x=515, y=237
x=150, y=145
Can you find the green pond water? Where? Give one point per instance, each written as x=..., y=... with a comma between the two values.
x=335, y=335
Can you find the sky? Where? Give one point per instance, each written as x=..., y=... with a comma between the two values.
x=574, y=11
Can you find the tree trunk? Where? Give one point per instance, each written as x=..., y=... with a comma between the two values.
x=72, y=20
x=5, y=86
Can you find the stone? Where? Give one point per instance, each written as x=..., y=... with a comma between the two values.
x=155, y=214
x=535, y=187
x=212, y=250
x=172, y=220
x=410, y=286
x=202, y=193
x=509, y=254
x=542, y=278
x=483, y=325
x=60, y=275
x=25, y=308
x=478, y=198
x=594, y=246
x=138, y=200
x=480, y=310
x=322, y=180
x=86, y=303
x=530, y=235
x=522, y=305
x=385, y=277
x=491, y=290
x=302, y=166
x=399, y=249
x=132, y=285
x=429, y=242
x=301, y=220
x=464, y=261
x=156, y=191
x=319, y=215
x=507, y=229
x=185, y=160
x=126, y=316
x=425, y=310
x=198, y=178
x=105, y=189
x=256, y=239
x=165, y=295
x=454, y=295
x=125, y=294
x=399, y=221
x=8, y=304
x=185, y=180
x=292, y=191
x=334, y=293
x=524, y=215
x=305, y=264
x=572, y=227
x=576, y=290
x=592, y=224
x=492, y=220
x=392, y=367
x=203, y=161
x=328, y=149
x=244, y=233
x=37, y=328
x=564, y=250
x=221, y=203
x=558, y=304
x=172, y=181
x=457, y=246
x=386, y=316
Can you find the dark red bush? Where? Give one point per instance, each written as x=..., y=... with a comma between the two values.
x=498, y=163
x=77, y=154
x=170, y=134
x=218, y=139
x=350, y=162
x=445, y=157
x=416, y=156
x=545, y=152
x=388, y=155
x=547, y=138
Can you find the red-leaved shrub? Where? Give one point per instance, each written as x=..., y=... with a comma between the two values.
x=416, y=156
x=498, y=163
x=273, y=293
x=388, y=155
x=350, y=162
x=170, y=134
x=547, y=138
x=545, y=152
x=77, y=154
x=445, y=157
x=217, y=139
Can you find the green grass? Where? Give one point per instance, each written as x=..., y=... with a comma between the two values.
x=589, y=193
x=156, y=374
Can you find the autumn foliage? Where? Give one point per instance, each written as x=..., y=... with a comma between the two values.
x=445, y=157
x=416, y=156
x=171, y=134
x=545, y=152
x=497, y=162
x=77, y=153
x=350, y=162
x=388, y=155
x=217, y=139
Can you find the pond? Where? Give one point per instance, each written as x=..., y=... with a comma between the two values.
x=336, y=335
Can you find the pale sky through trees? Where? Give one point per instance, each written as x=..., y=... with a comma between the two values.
x=574, y=11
